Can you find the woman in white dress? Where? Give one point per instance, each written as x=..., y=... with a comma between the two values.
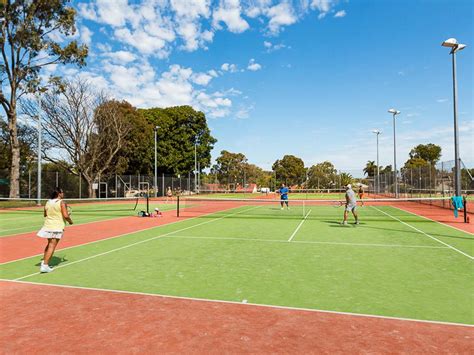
x=55, y=215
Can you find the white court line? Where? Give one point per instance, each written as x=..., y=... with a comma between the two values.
x=299, y=226
x=306, y=242
x=432, y=220
x=140, y=242
x=242, y=304
x=429, y=236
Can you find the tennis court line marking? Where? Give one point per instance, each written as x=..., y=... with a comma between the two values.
x=299, y=226
x=137, y=243
x=422, y=232
x=242, y=304
x=433, y=220
x=306, y=242
x=101, y=240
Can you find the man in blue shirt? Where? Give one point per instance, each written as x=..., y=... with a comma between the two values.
x=283, y=191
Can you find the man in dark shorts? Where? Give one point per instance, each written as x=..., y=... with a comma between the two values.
x=283, y=191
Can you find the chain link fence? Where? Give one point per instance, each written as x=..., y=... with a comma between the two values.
x=107, y=186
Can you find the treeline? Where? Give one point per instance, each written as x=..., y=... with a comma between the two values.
x=91, y=136
x=233, y=169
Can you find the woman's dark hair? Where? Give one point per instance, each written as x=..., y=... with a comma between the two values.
x=56, y=192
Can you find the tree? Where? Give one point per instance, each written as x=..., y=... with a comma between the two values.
x=431, y=153
x=370, y=168
x=290, y=170
x=137, y=154
x=27, y=140
x=180, y=128
x=322, y=175
x=87, y=128
x=346, y=179
x=386, y=170
x=26, y=47
x=229, y=167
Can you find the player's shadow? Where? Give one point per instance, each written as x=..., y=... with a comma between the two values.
x=55, y=261
x=339, y=224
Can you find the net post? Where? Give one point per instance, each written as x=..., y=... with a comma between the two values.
x=147, y=204
x=177, y=206
x=465, y=209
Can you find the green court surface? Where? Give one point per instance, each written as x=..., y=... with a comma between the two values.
x=393, y=264
x=31, y=219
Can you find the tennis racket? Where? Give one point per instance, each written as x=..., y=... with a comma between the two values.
x=338, y=204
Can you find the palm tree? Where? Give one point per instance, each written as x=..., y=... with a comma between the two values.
x=370, y=168
x=346, y=179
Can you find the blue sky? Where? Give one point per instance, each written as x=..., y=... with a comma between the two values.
x=310, y=78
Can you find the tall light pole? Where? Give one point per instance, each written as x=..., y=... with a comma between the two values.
x=455, y=47
x=377, y=132
x=195, y=164
x=395, y=174
x=39, y=161
x=155, y=182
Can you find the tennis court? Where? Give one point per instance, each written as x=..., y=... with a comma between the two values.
x=393, y=264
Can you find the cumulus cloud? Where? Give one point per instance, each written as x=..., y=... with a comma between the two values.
x=232, y=68
x=270, y=47
x=121, y=56
x=341, y=13
x=229, y=12
x=253, y=66
x=280, y=15
x=323, y=6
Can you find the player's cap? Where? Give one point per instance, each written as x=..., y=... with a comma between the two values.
x=349, y=186
x=157, y=209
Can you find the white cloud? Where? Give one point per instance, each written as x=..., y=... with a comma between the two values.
x=201, y=79
x=442, y=100
x=143, y=42
x=323, y=6
x=232, y=68
x=121, y=56
x=280, y=15
x=229, y=12
x=341, y=13
x=270, y=47
x=113, y=12
x=86, y=35
x=244, y=112
x=253, y=66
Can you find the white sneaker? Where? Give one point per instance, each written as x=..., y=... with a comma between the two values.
x=344, y=223
x=281, y=208
x=356, y=222
x=46, y=268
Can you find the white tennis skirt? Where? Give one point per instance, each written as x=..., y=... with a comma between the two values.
x=50, y=234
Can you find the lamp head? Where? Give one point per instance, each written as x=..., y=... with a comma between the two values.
x=450, y=42
x=376, y=131
x=394, y=112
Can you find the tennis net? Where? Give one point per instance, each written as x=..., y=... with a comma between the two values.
x=100, y=206
x=300, y=208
